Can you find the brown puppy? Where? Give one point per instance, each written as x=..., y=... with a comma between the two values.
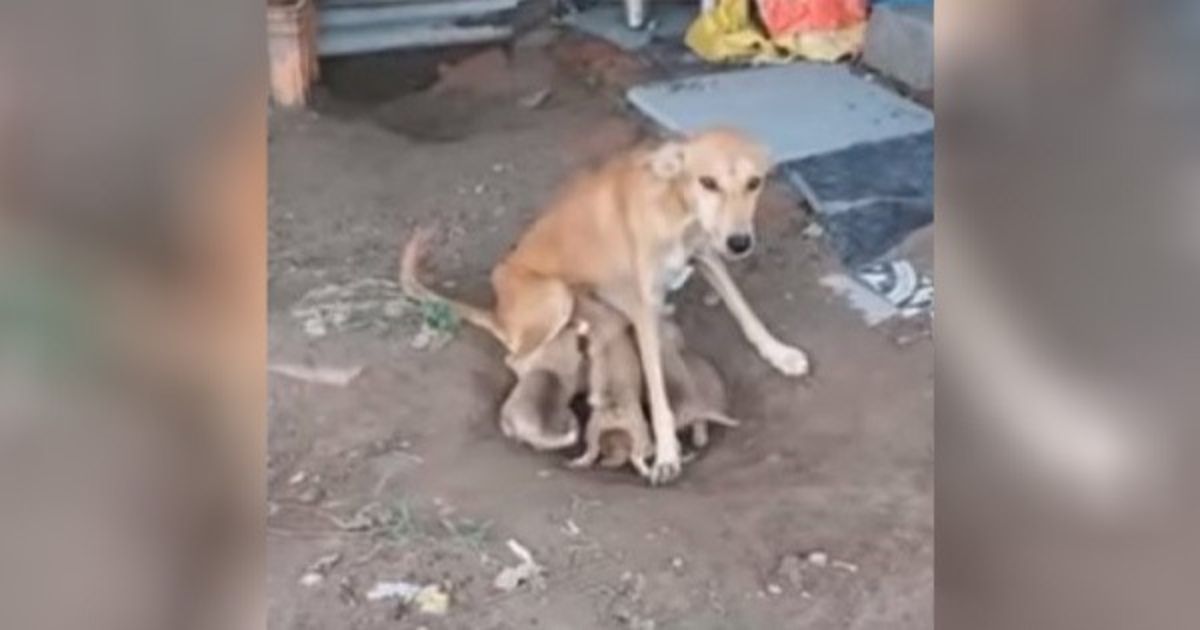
x=617, y=432
x=694, y=387
x=617, y=428
x=624, y=232
x=537, y=411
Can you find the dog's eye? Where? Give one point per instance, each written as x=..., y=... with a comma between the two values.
x=709, y=183
x=753, y=184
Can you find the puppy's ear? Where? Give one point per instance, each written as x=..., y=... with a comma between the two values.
x=667, y=160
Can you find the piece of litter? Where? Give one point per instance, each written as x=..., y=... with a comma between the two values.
x=571, y=528
x=901, y=284
x=818, y=558
x=337, y=376
x=525, y=572
x=536, y=99
x=431, y=600
x=677, y=563
x=544, y=473
x=401, y=590
x=311, y=579
x=805, y=594
x=848, y=567
x=297, y=478
x=711, y=299
x=480, y=189
x=774, y=589
x=813, y=230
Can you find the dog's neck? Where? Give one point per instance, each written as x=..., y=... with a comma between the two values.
x=676, y=216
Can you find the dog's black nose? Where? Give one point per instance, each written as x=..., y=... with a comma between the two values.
x=739, y=243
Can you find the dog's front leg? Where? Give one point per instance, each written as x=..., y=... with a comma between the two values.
x=667, y=465
x=785, y=358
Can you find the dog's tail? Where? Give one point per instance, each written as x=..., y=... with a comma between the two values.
x=715, y=417
x=410, y=259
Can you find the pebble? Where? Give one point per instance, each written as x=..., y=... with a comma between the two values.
x=311, y=579
x=311, y=495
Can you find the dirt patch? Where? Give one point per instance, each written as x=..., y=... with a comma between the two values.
x=402, y=475
x=599, y=63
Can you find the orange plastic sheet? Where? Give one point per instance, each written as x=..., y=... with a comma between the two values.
x=820, y=30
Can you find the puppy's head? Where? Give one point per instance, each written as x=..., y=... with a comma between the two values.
x=719, y=174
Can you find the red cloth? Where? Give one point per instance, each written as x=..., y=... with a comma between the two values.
x=789, y=17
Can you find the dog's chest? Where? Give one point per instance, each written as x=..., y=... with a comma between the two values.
x=676, y=269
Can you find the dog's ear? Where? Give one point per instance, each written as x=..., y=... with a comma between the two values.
x=667, y=160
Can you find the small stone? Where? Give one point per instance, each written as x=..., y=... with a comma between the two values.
x=311, y=579
x=311, y=495
x=422, y=340
x=536, y=99
x=480, y=188
x=711, y=299
x=298, y=478
x=774, y=589
x=677, y=563
x=790, y=569
x=848, y=567
x=315, y=328
x=818, y=558
x=544, y=473
x=813, y=230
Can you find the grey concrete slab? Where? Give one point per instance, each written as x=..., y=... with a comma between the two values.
x=799, y=110
x=900, y=43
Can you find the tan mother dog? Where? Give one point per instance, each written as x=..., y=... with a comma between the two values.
x=625, y=231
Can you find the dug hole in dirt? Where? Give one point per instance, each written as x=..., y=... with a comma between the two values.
x=395, y=500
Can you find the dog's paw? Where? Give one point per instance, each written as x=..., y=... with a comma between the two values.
x=791, y=361
x=662, y=473
x=667, y=464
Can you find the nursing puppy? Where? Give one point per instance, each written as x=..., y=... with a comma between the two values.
x=624, y=232
x=617, y=427
x=617, y=432
x=537, y=411
x=694, y=387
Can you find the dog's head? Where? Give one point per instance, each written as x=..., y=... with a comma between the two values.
x=719, y=175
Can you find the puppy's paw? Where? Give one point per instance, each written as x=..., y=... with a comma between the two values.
x=583, y=461
x=791, y=361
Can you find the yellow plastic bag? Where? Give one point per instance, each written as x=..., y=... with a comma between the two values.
x=727, y=34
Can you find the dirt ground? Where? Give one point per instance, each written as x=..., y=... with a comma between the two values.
x=816, y=513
